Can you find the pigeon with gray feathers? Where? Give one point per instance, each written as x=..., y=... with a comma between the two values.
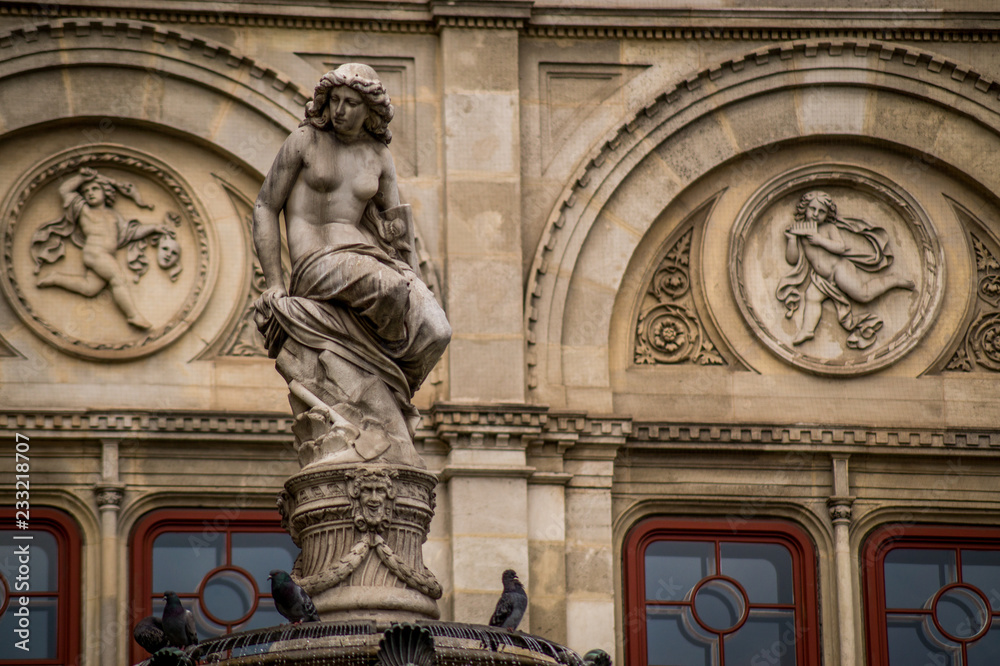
x=292, y=601
x=178, y=622
x=512, y=603
x=148, y=633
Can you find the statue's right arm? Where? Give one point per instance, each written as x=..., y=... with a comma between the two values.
x=69, y=186
x=791, y=248
x=273, y=195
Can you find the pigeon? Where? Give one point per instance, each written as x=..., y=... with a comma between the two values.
x=291, y=600
x=178, y=622
x=148, y=633
x=597, y=657
x=512, y=604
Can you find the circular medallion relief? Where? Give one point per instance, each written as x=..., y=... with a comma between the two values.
x=105, y=254
x=836, y=269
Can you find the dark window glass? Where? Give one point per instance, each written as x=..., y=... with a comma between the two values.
x=709, y=595
x=933, y=596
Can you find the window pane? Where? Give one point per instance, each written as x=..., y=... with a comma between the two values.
x=181, y=560
x=43, y=553
x=719, y=605
x=767, y=637
x=42, y=614
x=670, y=641
x=266, y=616
x=259, y=552
x=914, y=575
x=228, y=596
x=763, y=569
x=674, y=567
x=913, y=641
x=986, y=651
x=982, y=569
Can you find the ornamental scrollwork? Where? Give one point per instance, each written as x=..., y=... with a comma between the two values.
x=981, y=346
x=668, y=330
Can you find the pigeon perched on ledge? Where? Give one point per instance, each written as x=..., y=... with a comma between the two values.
x=512, y=603
x=294, y=603
x=148, y=633
x=178, y=622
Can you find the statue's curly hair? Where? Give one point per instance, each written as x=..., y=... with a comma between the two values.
x=816, y=195
x=362, y=79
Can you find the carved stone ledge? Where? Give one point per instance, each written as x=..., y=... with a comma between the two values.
x=916, y=440
x=149, y=425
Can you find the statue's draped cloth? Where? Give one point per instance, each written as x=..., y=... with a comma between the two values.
x=872, y=256
x=368, y=318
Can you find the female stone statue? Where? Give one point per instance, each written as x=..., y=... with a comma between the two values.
x=355, y=331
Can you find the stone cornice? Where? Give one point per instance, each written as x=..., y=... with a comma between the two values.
x=621, y=22
x=819, y=438
x=527, y=424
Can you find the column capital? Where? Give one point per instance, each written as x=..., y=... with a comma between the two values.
x=840, y=508
x=109, y=496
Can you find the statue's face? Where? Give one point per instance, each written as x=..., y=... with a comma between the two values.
x=816, y=212
x=347, y=110
x=168, y=252
x=93, y=193
x=372, y=497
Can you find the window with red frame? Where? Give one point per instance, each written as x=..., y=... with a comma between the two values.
x=932, y=596
x=216, y=561
x=699, y=593
x=49, y=580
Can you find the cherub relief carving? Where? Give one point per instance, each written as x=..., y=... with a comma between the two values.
x=840, y=259
x=91, y=222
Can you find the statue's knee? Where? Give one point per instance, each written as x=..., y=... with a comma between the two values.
x=441, y=331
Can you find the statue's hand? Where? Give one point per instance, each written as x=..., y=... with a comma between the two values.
x=273, y=293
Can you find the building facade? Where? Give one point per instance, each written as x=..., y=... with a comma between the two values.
x=724, y=284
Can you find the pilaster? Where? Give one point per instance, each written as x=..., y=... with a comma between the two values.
x=482, y=186
x=840, y=504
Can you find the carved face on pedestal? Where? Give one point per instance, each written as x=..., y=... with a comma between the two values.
x=372, y=498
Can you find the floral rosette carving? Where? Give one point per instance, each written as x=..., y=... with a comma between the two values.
x=667, y=334
x=981, y=344
x=984, y=339
x=668, y=330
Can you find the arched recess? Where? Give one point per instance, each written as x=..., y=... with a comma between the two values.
x=214, y=117
x=129, y=69
x=729, y=122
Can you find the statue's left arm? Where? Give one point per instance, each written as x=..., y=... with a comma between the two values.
x=387, y=201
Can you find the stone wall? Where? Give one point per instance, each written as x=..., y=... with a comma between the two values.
x=601, y=196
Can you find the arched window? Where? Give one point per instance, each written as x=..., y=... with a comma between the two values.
x=41, y=566
x=699, y=592
x=932, y=596
x=217, y=561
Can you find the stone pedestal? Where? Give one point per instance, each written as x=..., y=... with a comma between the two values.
x=361, y=529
